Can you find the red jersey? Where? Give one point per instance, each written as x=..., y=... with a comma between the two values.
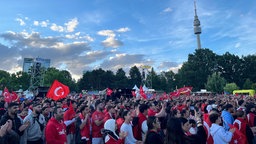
x=250, y=119
x=67, y=116
x=151, y=112
x=96, y=130
x=240, y=124
x=55, y=132
x=85, y=132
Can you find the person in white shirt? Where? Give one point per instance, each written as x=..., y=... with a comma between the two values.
x=127, y=127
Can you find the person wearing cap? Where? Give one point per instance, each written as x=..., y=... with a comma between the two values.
x=55, y=131
x=97, y=123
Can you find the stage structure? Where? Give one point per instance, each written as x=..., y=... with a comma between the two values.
x=146, y=76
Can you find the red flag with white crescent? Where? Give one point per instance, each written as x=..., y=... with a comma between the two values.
x=57, y=91
x=7, y=95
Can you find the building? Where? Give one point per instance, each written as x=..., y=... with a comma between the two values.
x=29, y=62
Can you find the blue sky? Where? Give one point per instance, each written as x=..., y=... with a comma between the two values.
x=82, y=35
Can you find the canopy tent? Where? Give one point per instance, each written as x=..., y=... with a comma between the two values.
x=135, y=88
x=144, y=88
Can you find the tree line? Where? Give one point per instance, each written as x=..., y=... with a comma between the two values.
x=203, y=70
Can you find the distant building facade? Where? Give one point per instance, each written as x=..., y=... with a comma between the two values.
x=29, y=62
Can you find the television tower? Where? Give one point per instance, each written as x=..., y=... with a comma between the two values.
x=197, y=28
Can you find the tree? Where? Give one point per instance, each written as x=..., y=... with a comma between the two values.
x=135, y=76
x=231, y=68
x=196, y=70
x=247, y=84
x=215, y=83
x=230, y=87
x=121, y=81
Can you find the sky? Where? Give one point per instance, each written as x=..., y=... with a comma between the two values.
x=82, y=35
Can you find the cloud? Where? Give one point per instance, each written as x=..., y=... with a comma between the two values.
x=166, y=64
x=24, y=40
x=57, y=28
x=122, y=60
x=111, y=42
x=42, y=23
x=70, y=26
x=108, y=33
x=22, y=22
x=167, y=10
x=122, y=30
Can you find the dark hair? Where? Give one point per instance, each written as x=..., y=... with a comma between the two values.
x=213, y=117
x=83, y=108
x=240, y=113
x=240, y=102
x=143, y=107
x=56, y=109
x=183, y=120
x=97, y=103
x=150, y=121
x=174, y=134
x=12, y=104
x=228, y=106
x=124, y=113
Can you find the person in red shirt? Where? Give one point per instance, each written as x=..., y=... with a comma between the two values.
x=110, y=114
x=97, y=123
x=55, y=131
x=143, y=128
x=241, y=124
x=84, y=124
x=69, y=121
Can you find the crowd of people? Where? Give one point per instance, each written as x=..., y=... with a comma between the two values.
x=97, y=120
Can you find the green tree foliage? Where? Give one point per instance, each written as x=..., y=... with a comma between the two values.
x=4, y=79
x=121, y=80
x=247, y=84
x=63, y=76
x=135, y=77
x=231, y=68
x=249, y=67
x=215, y=83
x=230, y=87
x=196, y=70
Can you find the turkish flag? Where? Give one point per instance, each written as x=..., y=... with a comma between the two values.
x=57, y=91
x=185, y=90
x=14, y=96
x=109, y=91
x=238, y=137
x=7, y=95
x=142, y=93
x=174, y=94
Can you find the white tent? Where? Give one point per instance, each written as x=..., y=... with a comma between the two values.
x=135, y=88
x=144, y=88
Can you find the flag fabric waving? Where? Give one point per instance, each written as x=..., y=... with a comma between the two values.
x=14, y=96
x=7, y=95
x=238, y=137
x=57, y=91
x=109, y=91
x=185, y=90
x=142, y=93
